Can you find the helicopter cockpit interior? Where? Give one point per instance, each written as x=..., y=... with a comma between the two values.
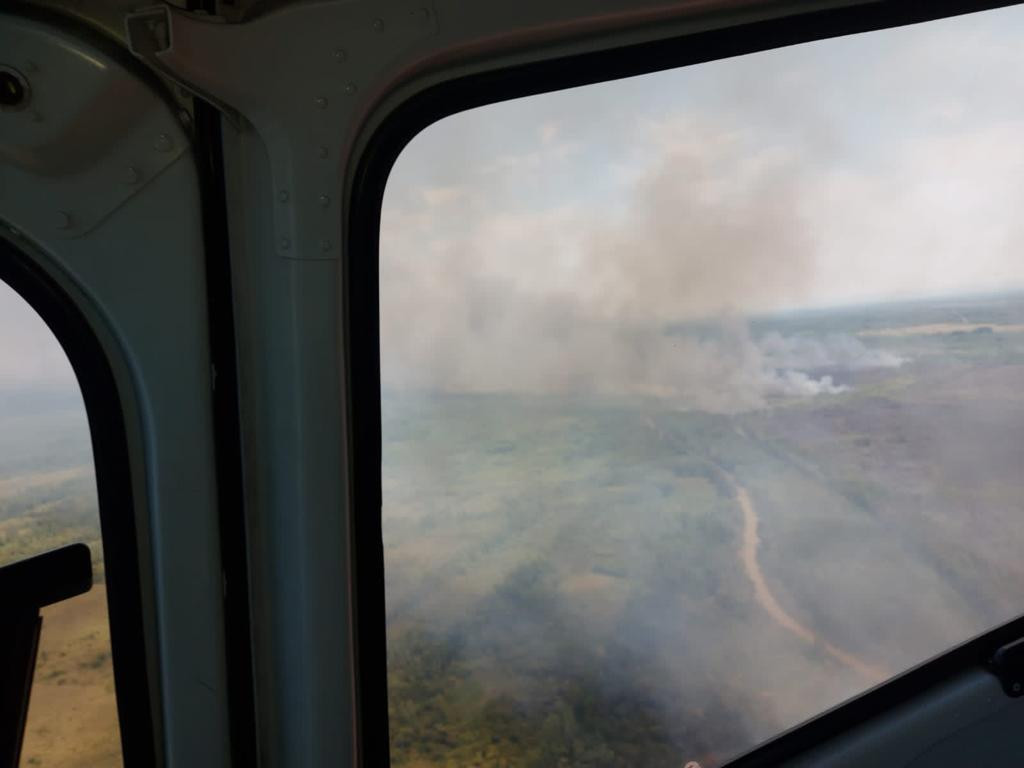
x=553, y=384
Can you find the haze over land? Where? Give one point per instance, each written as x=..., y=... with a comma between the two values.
x=617, y=581
x=701, y=398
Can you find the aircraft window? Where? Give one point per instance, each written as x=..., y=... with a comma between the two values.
x=47, y=500
x=702, y=397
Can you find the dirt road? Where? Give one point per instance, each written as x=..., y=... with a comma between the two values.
x=765, y=597
x=748, y=554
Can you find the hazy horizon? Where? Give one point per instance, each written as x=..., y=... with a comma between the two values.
x=544, y=244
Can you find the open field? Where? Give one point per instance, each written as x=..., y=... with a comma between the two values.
x=621, y=582
x=72, y=713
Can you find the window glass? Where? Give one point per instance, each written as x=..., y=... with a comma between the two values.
x=48, y=500
x=702, y=397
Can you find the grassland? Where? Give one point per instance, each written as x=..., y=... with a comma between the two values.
x=73, y=713
x=569, y=582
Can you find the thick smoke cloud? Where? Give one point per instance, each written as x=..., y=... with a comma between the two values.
x=545, y=245
x=586, y=310
x=713, y=225
x=565, y=302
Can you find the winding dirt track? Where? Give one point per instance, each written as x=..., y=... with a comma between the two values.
x=752, y=566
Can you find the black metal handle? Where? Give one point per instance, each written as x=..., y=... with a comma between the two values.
x=45, y=579
x=25, y=587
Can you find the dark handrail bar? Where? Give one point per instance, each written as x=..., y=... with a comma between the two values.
x=45, y=579
x=25, y=587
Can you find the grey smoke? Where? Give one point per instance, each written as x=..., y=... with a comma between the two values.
x=712, y=228
x=789, y=360
x=830, y=351
x=565, y=303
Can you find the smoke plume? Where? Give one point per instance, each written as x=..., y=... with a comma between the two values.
x=559, y=301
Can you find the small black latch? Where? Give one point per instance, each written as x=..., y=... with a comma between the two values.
x=1008, y=665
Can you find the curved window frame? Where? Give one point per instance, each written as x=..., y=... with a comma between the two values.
x=111, y=458
x=361, y=320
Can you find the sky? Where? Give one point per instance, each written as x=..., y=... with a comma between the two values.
x=30, y=357
x=575, y=224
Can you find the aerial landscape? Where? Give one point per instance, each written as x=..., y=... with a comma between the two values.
x=702, y=398
x=47, y=500
x=599, y=581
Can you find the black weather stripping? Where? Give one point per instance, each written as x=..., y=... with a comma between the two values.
x=1008, y=666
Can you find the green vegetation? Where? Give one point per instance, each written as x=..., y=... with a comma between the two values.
x=441, y=715
x=564, y=582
